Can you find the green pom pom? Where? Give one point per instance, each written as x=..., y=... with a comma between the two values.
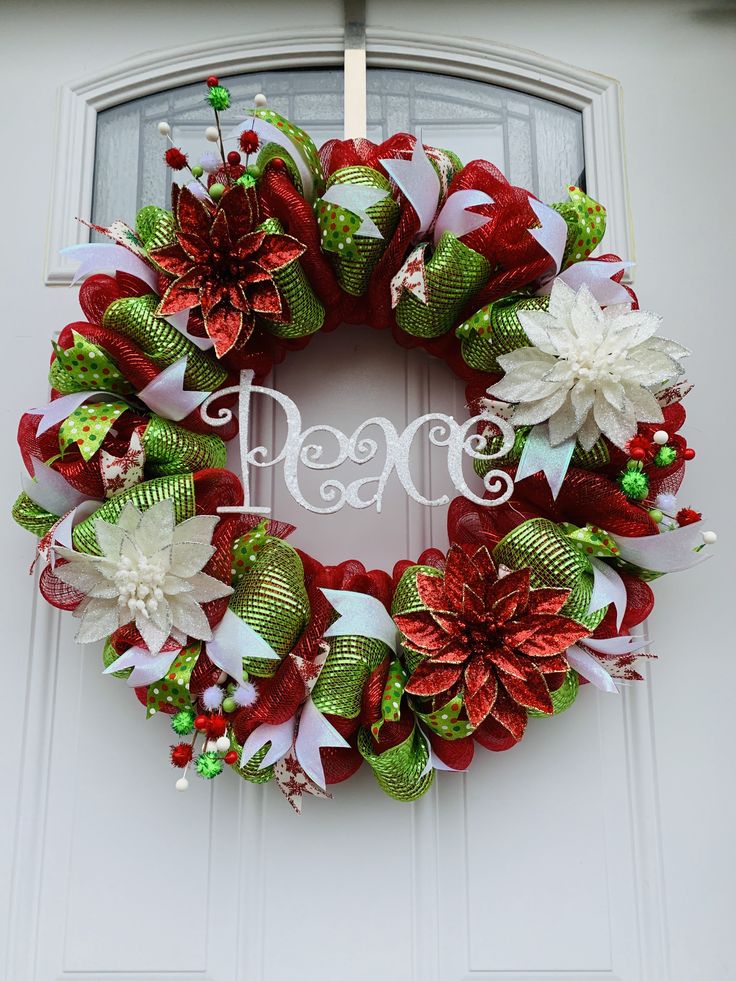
x=634, y=482
x=197, y=171
x=183, y=722
x=209, y=765
x=216, y=191
x=665, y=455
x=219, y=98
x=247, y=179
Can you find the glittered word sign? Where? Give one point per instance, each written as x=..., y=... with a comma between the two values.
x=301, y=449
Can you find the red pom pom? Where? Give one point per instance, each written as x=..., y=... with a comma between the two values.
x=233, y=158
x=687, y=516
x=689, y=453
x=249, y=141
x=181, y=754
x=212, y=81
x=231, y=757
x=201, y=723
x=641, y=448
x=175, y=158
x=216, y=726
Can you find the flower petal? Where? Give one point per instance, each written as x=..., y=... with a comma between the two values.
x=188, y=558
x=432, y=679
x=479, y=705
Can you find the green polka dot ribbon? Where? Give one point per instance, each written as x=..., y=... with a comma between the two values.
x=591, y=540
x=301, y=142
x=172, y=691
x=245, y=551
x=392, y=695
x=446, y=721
x=88, y=425
x=586, y=225
x=85, y=367
x=337, y=228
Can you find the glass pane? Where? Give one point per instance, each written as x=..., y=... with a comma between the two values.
x=536, y=143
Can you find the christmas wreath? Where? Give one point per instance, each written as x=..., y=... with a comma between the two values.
x=267, y=661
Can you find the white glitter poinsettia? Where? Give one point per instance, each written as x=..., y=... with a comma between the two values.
x=589, y=370
x=150, y=572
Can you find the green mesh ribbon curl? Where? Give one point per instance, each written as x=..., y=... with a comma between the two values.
x=32, y=517
x=554, y=561
x=562, y=699
x=172, y=449
x=453, y=275
x=250, y=771
x=407, y=600
x=273, y=601
x=179, y=488
x=355, y=256
x=135, y=317
x=339, y=688
x=399, y=770
x=156, y=227
x=306, y=313
x=495, y=329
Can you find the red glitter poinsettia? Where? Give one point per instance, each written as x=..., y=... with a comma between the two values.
x=224, y=264
x=494, y=639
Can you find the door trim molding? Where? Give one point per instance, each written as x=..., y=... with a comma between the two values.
x=598, y=97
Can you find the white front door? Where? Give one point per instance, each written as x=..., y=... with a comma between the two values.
x=593, y=849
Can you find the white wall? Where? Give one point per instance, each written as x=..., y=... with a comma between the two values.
x=676, y=63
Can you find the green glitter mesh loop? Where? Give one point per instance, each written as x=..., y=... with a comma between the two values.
x=155, y=226
x=339, y=688
x=454, y=273
x=172, y=449
x=179, y=489
x=250, y=771
x=305, y=313
x=495, y=329
x=554, y=561
x=32, y=517
x=354, y=274
x=562, y=699
x=135, y=317
x=273, y=601
x=399, y=770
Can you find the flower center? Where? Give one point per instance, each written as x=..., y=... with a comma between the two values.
x=589, y=363
x=139, y=585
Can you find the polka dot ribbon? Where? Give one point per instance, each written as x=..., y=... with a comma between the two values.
x=172, y=691
x=338, y=228
x=245, y=551
x=88, y=425
x=85, y=366
x=592, y=540
x=446, y=722
x=586, y=221
x=392, y=695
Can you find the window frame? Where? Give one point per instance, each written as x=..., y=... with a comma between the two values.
x=597, y=97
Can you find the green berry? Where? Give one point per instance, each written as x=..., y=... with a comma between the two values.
x=665, y=455
x=183, y=722
x=219, y=98
x=216, y=191
x=656, y=515
x=197, y=171
x=229, y=704
x=634, y=482
x=209, y=765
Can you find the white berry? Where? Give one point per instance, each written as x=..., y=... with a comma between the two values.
x=710, y=537
x=164, y=128
x=211, y=134
x=182, y=784
x=259, y=101
x=661, y=437
x=223, y=744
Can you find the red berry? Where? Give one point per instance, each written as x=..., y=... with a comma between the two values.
x=175, y=158
x=249, y=141
x=637, y=453
x=689, y=453
x=278, y=164
x=216, y=726
x=201, y=723
x=231, y=757
x=181, y=754
x=212, y=81
x=233, y=158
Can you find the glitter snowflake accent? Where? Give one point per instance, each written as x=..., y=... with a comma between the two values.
x=589, y=370
x=150, y=572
